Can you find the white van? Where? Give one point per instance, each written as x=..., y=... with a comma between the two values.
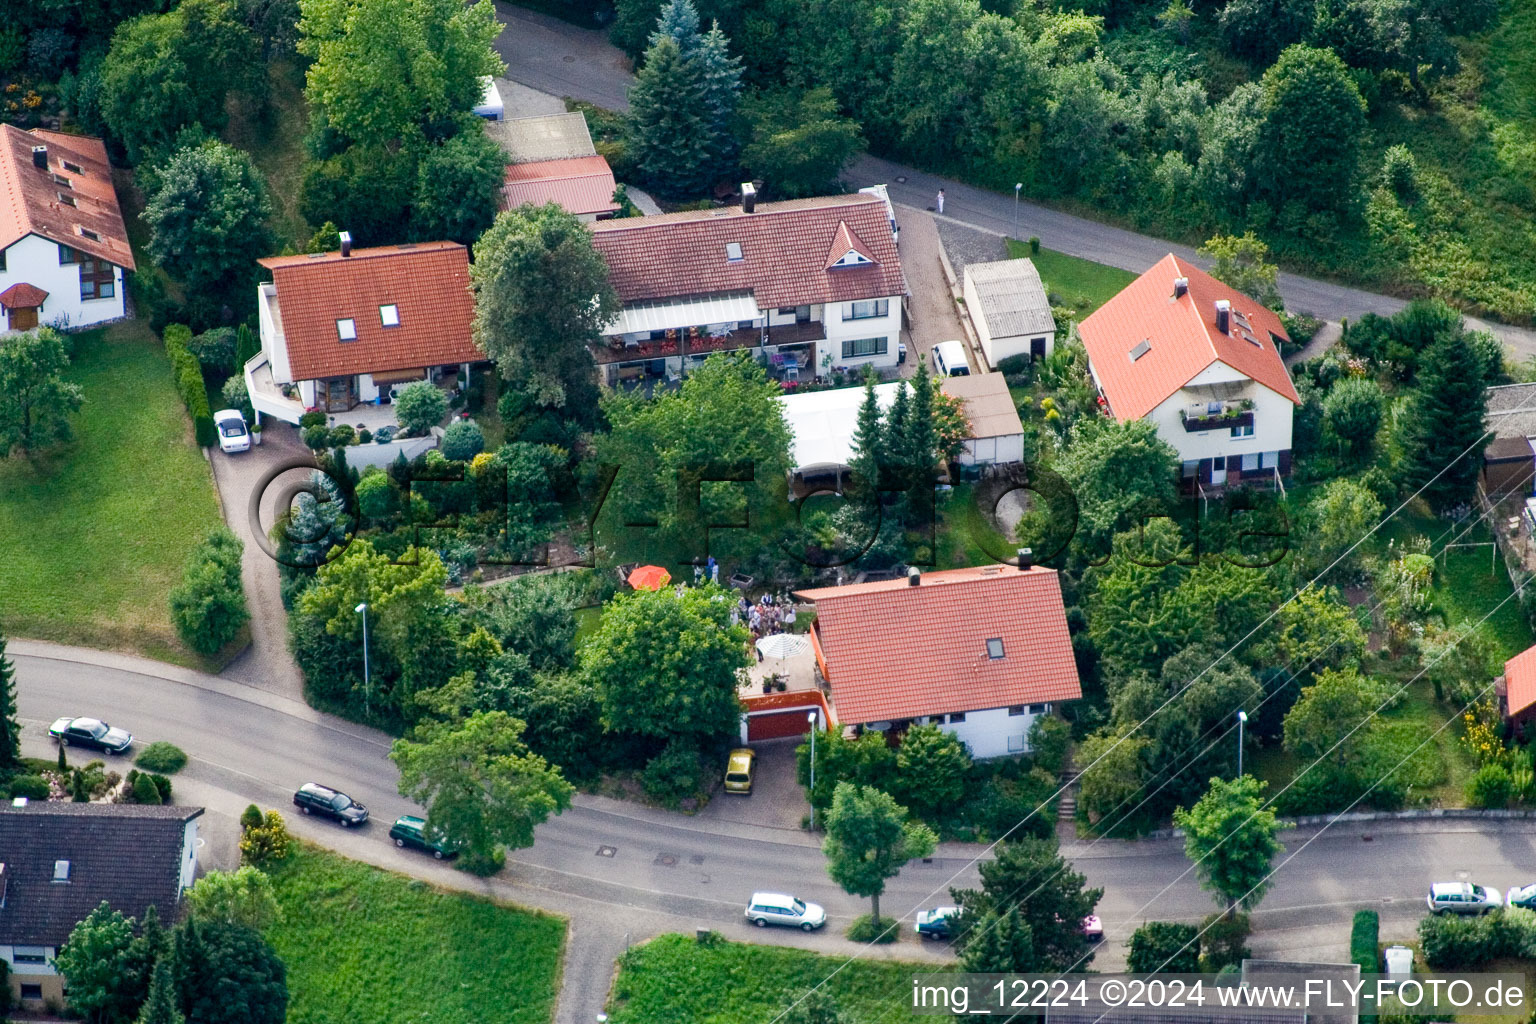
x=949, y=360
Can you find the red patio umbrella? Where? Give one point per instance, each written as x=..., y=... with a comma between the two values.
x=649, y=577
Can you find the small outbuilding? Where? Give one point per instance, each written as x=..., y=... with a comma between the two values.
x=1009, y=309
x=997, y=433
x=1516, y=689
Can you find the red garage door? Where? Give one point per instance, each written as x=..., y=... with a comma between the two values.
x=779, y=725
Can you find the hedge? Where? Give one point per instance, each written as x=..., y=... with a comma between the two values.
x=189, y=382
x=1470, y=943
x=1363, y=939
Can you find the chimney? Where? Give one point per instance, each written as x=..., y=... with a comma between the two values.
x=346, y=244
x=1180, y=287
x=40, y=157
x=1224, y=316
x=914, y=576
x=1026, y=558
x=748, y=197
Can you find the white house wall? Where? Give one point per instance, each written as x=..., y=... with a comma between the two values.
x=839, y=330
x=35, y=260
x=989, y=733
x=1271, y=425
x=273, y=341
x=985, y=451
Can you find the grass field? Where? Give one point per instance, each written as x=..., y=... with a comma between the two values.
x=1080, y=284
x=363, y=944
x=674, y=980
x=94, y=535
x=965, y=537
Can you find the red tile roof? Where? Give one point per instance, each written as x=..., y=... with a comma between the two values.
x=844, y=242
x=580, y=185
x=1520, y=680
x=784, y=252
x=22, y=295
x=896, y=651
x=1183, y=339
x=429, y=283
x=29, y=196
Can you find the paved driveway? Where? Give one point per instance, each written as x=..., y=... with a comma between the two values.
x=267, y=663
x=931, y=313
x=776, y=800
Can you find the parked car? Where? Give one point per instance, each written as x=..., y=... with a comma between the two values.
x=1462, y=898
x=937, y=923
x=410, y=831
x=1093, y=928
x=1398, y=961
x=233, y=434
x=768, y=908
x=91, y=734
x=949, y=360
x=739, y=769
x=329, y=803
x=1521, y=896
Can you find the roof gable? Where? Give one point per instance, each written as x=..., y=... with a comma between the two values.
x=1146, y=343
x=428, y=284
x=71, y=201
x=787, y=252
x=896, y=651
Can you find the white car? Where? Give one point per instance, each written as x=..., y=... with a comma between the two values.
x=233, y=434
x=1463, y=898
x=777, y=908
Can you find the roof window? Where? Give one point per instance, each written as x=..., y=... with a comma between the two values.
x=1142, y=348
x=59, y=179
x=61, y=871
x=66, y=199
x=389, y=316
x=995, y=648
x=733, y=252
x=88, y=233
x=72, y=167
x=346, y=329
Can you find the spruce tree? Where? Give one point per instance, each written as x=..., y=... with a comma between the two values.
x=999, y=944
x=893, y=464
x=187, y=958
x=667, y=122
x=679, y=21
x=868, y=439
x=921, y=443
x=1446, y=430
x=10, y=730
x=720, y=79
x=160, y=1005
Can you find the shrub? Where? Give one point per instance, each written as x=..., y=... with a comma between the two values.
x=250, y=817
x=1222, y=942
x=215, y=349
x=1490, y=787
x=673, y=775
x=33, y=787
x=342, y=436
x=236, y=396
x=145, y=791
x=1454, y=943
x=867, y=928
x=1363, y=938
x=317, y=437
x=188, y=376
x=364, y=436
x=13, y=49
x=49, y=51
x=1034, y=245
x=1159, y=943
x=463, y=440
x=312, y=419
x=266, y=843
x=1049, y=738
x=208, y=606
x=161, y=756
x=420, y=406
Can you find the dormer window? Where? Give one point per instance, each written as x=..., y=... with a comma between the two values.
x=66, y=199
x=61, y=871
x=1142, y=348
x=995, y=648
x=853, y=258
x=72, y=168
x=733, y=252
x=389, y=316
x=346, y=329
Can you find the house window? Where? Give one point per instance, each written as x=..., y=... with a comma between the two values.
x=67, y=255
x=1250, y=462
x=1269, y=460
x=29, y=955
x=2, y=261
x=1190, y=469
x=733, y=252
x=995, y=648
x=867, y=310
x=1018, y=744
x=97, y=279
x=957, y=718
x=31, y=991
x=389, y=315
x=1016, y=710
x=72, y=168
x=786, y=311
x=1038, y=709
x=743, y=325
x=66, y=199
x=864, y=347
x=346, y=329
x=61, y=871
x=1244, y=431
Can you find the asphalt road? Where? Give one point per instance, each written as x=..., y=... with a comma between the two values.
x=553, y=56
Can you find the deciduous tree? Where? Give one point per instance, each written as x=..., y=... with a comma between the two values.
x=1241, y=262
x=207, y=210
x=208, y=606
x=1116, y=471
x=243, y=896
x=799, y=141
x=1313, y=122
x=97, y=964
x=458, y=187
x=1230, y=836
x=869, y=838
x=35, y=398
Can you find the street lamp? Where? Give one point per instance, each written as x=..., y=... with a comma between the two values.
x=362, y=609
x=1242, y=719
x=812, y=719
x=1018, y=187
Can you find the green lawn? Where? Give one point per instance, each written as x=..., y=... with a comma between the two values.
x=965, y=536
x=362, y=944
x=94, y=535
x=674, y=980
x=1080, y=284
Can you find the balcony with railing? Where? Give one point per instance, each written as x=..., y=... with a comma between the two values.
x=698, y=341
x=1237, y=412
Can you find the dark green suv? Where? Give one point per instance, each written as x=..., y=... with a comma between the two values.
x=412, y=831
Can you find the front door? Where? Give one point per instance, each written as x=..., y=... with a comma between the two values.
x=339, y=394
x=1219, y=471
x=23, y=318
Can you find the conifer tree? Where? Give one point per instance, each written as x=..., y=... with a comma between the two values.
x=920, y=443
x=1000, y=944
x=1446, y=430
x=868, y=439
x=160, y=1006
x=10, y=730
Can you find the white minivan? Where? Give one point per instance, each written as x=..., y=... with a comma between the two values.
x=949, y=360
x=776, y=908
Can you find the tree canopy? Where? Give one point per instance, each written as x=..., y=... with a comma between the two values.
x=1231, y=837
x=35, y=397
x=207, y=209
x=869, y=838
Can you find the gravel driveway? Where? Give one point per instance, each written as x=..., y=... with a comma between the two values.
x=931, y=313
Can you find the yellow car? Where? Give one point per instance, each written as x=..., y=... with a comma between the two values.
x=738, y=771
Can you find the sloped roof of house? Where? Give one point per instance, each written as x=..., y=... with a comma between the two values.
x=579, y=185
x=427, y=283
x=1013, y=299
x=79, y=211
x=784, y=252
x=989, y=407
x=893, y=650
x=1181, y=337
x=126, y=854
x=1520, y=680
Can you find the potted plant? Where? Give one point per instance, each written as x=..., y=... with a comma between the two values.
x=256, y=430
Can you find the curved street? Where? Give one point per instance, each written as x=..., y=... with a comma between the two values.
x=670, y=872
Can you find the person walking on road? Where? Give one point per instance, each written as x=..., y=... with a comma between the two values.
x=939, y=203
